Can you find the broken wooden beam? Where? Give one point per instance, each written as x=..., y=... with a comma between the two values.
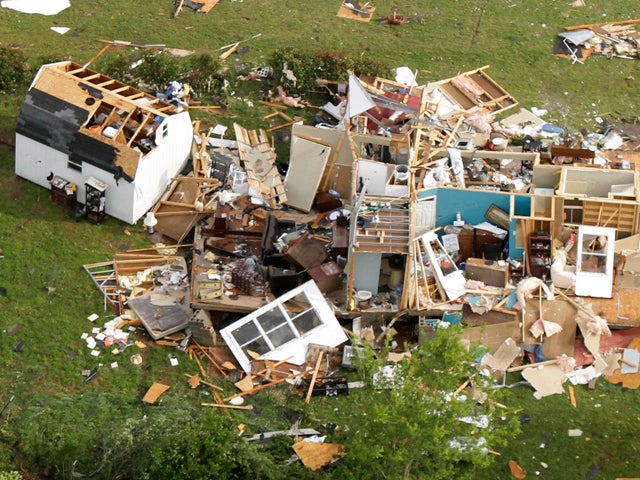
x=314, y=376
x=199, y=380
x=224, y=405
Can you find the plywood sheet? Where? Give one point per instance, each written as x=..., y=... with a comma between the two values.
x=316, y=455
x=493, y=335
x=504, y=356
x=154, y=392
x=563, y=342
x=364, y=16
x=175, y=221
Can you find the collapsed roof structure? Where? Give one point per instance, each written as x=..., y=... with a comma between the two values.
x=406, y=200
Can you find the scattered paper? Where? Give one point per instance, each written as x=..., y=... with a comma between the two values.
x=60, y=30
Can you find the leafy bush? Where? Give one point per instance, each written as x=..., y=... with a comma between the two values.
x=10, y=476
x=108, y=436
x=297, y=70
x=419, y=428
x=152, y=71
x=14, y=71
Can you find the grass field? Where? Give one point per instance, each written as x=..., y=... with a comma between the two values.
x=49, y=296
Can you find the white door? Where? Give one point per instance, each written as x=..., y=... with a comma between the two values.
x=595, y=257
x=425, y=215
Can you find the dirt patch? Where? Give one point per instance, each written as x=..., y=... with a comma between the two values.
x=8, y=138
x=13, y=187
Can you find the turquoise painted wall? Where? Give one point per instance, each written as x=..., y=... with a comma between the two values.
x=473, y=204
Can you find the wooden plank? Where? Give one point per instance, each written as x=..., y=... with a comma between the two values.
x=223, y=405
x=263, y=386
x=229, y=51
x=314, y=376
x=178, y=9
x=591, y=25
x=211, y=359
x=195, y=379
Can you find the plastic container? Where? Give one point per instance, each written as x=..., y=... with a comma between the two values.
x=401, y=175
x=499, y=143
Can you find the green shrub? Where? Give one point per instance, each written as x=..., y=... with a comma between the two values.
x=10, y=476
x=297, y=71
x=14, y=71
x=152, y=71
x=106, y=436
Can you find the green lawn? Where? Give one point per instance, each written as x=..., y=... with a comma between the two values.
x=49, y=296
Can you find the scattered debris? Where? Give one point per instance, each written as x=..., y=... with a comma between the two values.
x=611, y=39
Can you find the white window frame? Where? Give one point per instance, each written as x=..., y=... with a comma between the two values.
x=329, y=331
x=589, y=282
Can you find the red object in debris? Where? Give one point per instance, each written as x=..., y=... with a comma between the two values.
x=489, y=145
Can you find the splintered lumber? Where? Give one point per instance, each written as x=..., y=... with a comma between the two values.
x=387, y=329
x=219, y=401
x=178, y=9
x=102, y=50
x=572, y=396
x=204, y=107
x=211, y=359
x=154, y=392
x=223, y=405
x=278, y=127
x=315, y=375
x=262, y=387
x=532, y=365
x=461, y=387
x=229, y=51
x=202, y=370
x=273, y=105
x=195, y=381
x=178, y=245
x=246, y=384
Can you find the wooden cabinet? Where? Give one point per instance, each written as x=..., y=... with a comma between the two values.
x=478, y=244
x=63, y=192
x=489, y=272
x=539, y=254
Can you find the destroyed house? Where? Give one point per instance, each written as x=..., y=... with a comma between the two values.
x=395, y=214
x=83, y=129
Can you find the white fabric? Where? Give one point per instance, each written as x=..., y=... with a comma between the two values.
x=44, y=7
x=406, y=76
x=562, y=276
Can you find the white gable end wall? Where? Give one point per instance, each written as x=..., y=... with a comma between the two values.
x=35, y=161
x=162, y=164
